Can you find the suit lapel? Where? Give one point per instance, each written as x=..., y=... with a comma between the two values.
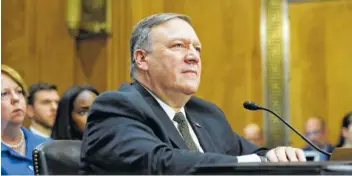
x=198, y=126
x=169, y=127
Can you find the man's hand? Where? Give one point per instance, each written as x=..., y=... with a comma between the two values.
x=286, y=154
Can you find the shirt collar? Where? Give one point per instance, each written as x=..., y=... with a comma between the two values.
x=37, y=132
x=168, y=110
x=4, y=147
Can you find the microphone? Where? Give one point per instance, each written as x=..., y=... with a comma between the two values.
x=253, y=107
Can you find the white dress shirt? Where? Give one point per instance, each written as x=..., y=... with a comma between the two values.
x=171, y=113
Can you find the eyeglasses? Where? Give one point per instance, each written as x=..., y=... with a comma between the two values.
x=314, y=132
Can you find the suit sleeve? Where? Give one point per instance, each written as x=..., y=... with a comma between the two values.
x=245, y=147
x=115, y=144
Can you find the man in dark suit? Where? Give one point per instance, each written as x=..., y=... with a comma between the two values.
x=155, y=125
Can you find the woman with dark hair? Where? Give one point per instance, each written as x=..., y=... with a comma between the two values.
x=346, y=132
x=72, y=112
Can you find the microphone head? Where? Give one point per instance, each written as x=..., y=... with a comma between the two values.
x=251, y=106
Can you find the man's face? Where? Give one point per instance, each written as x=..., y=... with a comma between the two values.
x=315, y=131
x=45, y=106
x=174, y=62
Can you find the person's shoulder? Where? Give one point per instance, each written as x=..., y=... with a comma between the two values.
x=207, y=108
x=110, y=94
x=330, y=148
x=198, y=102
x=33, y=137
x=124, y=92
x=126, y=101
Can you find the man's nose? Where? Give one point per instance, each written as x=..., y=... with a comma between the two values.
x=192, y=56
x=54, y=106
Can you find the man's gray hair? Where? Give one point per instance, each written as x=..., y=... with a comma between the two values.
x=140, y=38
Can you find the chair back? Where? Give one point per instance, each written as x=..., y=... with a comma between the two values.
x=57, y=157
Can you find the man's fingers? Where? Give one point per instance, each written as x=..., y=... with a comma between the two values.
x=291, y=154
x=281, y=154
x=300, y=155
x=286, y=154
x=271, y=156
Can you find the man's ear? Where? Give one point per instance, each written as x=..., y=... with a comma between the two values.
x=140, y=59
x=30, y=111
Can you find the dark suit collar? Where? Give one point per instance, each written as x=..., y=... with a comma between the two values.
x=193, y=116
x=196, y=120
x=171, y=130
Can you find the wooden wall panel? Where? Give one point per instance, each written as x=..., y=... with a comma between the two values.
x=36, y=41
x=14, y=32
x=118, y=44
x=41, y=48
x=54, y=48
x=90, y=63
x=321, y=58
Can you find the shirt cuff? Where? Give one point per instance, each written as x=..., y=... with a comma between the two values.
x=252, y=158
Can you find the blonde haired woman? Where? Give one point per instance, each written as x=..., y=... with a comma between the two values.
x=17, y=142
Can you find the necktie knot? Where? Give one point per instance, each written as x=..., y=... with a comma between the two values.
x=179, y=118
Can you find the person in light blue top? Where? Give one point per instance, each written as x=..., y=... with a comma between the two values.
x=17, y=143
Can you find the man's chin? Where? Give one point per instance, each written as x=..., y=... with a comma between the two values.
x=317, y=143
x=46, y=124
x=50, y=125
x=190, y=93
x=190, y=89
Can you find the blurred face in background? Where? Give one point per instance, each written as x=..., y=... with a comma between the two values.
x=315, y=131
x=13, y=103
x=253, y=134
x=44, y=107
x=81, y=106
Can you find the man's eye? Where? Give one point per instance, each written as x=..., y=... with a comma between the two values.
x=198, y=49
x=179, y=45
x=46, y=102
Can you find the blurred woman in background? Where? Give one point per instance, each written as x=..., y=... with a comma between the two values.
x=72, y=112
x=17, y=143
x=346, y=132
